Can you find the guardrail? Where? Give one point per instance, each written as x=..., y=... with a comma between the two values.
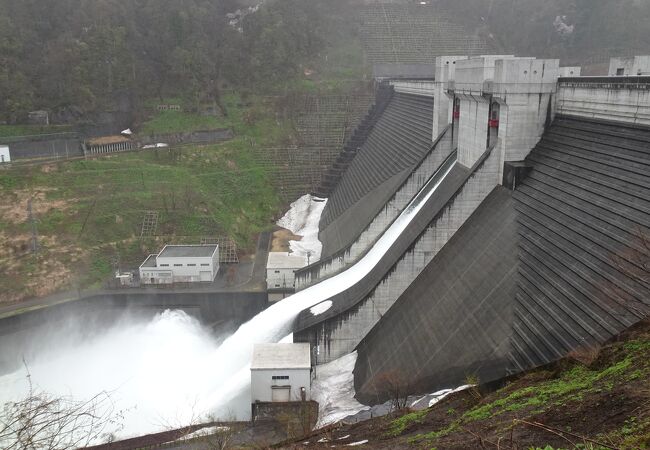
x=614, y=82
x=39, y=137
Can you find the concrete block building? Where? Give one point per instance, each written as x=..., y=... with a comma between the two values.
x=181, y=264
x=281, y=373
x=281, y=270
x=5, y=156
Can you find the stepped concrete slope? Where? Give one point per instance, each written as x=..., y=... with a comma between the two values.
x=351, y=315
x=395, y=146
x=584, y=216
x=455, y=319
x=529, y=277
x=354, y=142
x=327, y=267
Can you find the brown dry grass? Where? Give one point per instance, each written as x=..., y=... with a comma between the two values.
x=281, y=240
x=47, y=272
x=14, y=211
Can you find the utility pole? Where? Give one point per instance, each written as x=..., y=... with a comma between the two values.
x=30, y=216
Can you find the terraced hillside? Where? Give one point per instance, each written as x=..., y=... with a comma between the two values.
x=412, y=33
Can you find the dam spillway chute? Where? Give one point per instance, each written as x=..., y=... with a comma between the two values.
x=231, y=360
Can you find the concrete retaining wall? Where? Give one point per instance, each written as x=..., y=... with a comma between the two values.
x=625, y=99
x=416, y=87
x=55, y=147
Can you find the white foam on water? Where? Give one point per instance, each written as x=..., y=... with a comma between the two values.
x=149, y=368
x=321, y=307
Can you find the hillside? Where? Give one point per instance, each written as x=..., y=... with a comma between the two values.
x=88, y=214
x=594, y=399
x=584, y=32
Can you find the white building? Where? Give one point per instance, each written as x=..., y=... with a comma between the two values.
x=633, y=66
x=281, y=373
x=4, y=154
x=181, y=264
x=281, y=270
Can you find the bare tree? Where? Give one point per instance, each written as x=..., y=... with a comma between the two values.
x=221, y=437
x=44, y=422
x=204, y=431
x=394, y=385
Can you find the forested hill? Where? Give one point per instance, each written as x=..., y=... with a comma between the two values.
x=578, y=31
x=84, y=54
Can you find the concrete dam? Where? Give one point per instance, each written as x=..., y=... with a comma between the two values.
x=485, y=220
x=530, y=246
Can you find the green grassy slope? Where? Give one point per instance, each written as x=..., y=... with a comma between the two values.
x=89, y=212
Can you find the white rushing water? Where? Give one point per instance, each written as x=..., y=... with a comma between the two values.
x=150, y=368
x=169, y=371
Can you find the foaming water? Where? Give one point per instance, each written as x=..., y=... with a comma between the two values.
x=152, y=370
x=169, y=371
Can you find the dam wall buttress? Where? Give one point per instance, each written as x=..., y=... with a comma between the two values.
x=454, y=319
x=555, y=268
x=339, y=335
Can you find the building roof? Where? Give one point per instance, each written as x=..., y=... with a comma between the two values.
x=285, y=260
x=104, y=140
x=281, y=356
x=188, y=251
x=150, y=261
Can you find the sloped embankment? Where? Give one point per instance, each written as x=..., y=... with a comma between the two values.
x=592, y=399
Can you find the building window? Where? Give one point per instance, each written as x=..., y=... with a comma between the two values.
x=277, y=271
x=191, y=265
x=205, y=265
x=280, y=377
x=620, y=71
x=164, y=265
x=178, y=265
x=277, y=285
